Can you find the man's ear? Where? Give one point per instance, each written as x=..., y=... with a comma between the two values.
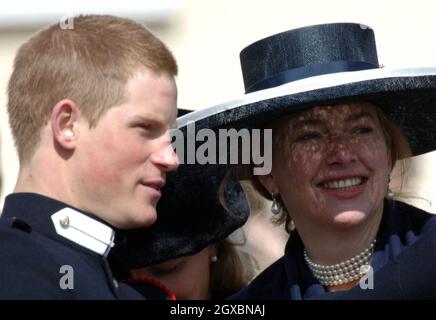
x=267, y=181
x=63, y=123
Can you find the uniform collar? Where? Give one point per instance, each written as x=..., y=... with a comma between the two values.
x=56, y=219
x=83, y=230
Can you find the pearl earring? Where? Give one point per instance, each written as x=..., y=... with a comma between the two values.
x=213, y=259
x=276, y=208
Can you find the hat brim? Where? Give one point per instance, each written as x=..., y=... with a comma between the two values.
x=408, y=96
x=189, y=217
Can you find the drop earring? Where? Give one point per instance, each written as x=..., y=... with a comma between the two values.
x=276, y=208
x=390, y=194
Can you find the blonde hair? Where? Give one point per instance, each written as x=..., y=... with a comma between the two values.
x=89, y=64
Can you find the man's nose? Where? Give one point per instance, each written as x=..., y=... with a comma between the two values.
x=165, y=156
x=169, y=159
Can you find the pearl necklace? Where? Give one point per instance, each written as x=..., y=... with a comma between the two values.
x=342, y=272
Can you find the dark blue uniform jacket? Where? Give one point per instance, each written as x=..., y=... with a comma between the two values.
x=32, y=256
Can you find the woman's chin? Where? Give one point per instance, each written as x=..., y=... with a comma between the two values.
x=349, y=218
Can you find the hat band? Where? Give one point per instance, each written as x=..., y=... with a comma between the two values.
x=310, y=71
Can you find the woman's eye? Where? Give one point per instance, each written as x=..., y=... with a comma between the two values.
x=363, y=130
x=162, y=270
x=308, y=136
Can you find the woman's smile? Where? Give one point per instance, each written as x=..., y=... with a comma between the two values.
x=344, y=188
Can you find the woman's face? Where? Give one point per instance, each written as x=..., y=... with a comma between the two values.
x=331, y=165
x=187, y=277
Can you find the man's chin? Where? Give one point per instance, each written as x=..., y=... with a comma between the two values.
x=147, y=219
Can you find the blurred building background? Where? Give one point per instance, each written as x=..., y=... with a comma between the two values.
x=206, y=37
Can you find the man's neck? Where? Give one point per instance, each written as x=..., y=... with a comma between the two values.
x=44, y=177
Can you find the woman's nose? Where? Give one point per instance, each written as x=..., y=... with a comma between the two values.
x=340, y=151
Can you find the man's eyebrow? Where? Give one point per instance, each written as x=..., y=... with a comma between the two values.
x=360, y=115
x=153, y=119
x=146, y=118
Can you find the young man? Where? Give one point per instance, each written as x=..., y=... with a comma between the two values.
x=90, y=110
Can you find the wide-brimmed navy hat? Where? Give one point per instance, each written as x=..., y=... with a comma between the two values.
x=190, y=216
x=321, y=65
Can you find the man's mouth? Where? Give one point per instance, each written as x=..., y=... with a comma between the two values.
x=157, y=185
x=153, y=186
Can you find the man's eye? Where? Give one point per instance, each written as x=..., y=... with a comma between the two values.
x=144, y=126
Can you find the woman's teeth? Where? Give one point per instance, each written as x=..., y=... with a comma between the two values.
x=342, y=184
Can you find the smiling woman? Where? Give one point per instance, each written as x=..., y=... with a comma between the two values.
x=336, y=118
x=311, y=154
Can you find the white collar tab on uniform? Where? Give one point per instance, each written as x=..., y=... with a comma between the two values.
x=83, y=230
